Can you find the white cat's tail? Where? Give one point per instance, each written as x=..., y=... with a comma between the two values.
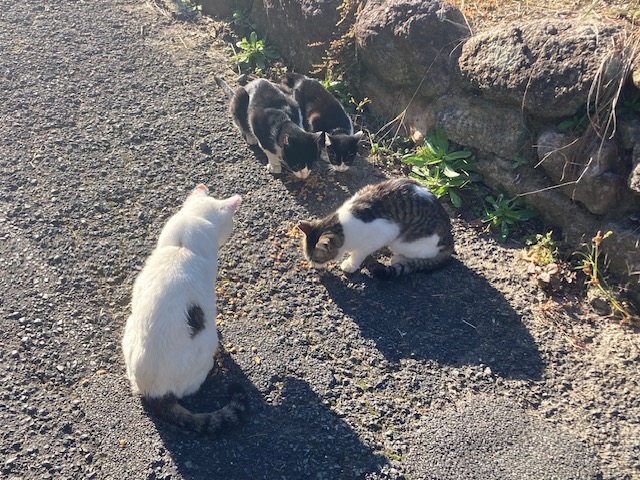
x=211, y=423
x=228, y=91
x=409, y=265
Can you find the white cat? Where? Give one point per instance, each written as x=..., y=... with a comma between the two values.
x=170, y=337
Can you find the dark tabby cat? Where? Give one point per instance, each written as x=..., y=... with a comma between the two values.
x=322, y=112
x=271, y=119
x=400, y=214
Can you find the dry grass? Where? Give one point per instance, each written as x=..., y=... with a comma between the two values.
x=484, y=13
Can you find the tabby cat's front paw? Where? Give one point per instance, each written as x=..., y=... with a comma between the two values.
x=271, y=168
x=348, y=266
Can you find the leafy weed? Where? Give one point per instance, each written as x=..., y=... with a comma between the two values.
x=439, y=169
x=254, y=53
x=504, y=215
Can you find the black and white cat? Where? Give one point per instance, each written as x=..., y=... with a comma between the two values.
x=400, y=214
x=171, y=336
x=271, y=119
x=322, y=112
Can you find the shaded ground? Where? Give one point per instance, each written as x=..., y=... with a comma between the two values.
x=109, y=117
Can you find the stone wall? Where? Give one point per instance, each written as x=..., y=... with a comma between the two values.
x=501, y=92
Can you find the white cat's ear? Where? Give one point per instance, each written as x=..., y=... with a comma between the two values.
x=200, y=190
x=327, y=139
x=232, y=203
x=358, y=135
x=305, y=227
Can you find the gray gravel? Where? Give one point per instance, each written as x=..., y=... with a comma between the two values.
x=109, y=115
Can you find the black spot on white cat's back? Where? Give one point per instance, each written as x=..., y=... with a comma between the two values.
x=195, y=319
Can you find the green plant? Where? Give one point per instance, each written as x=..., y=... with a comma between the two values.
x=542, y=249
x=519, y=162
x=382, y=153
x=591, y=265
x=338, y=89
x=577, y=124
x=504, y=214
x=379, y=150
x=630, y=103
x=188, y=7
x=393, y=456
x=242, y=19
x=439, y=169
x=544, y=263
x=254, y=52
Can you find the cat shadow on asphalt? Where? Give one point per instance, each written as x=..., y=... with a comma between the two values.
x=451, y=315
x=298, y=437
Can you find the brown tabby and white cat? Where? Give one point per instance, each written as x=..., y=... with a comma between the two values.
x=322, y=112
x=399, y=213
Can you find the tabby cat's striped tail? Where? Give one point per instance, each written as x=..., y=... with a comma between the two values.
x=409, y=265
x=212, y=423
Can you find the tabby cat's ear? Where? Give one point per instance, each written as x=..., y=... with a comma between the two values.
x=305, y=227
x=327, y=139
x=324, y=243
x=285, y=140
x=320, y=138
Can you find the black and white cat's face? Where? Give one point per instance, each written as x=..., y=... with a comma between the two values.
x=320, y=245
x=341, y=150
x=299, y=152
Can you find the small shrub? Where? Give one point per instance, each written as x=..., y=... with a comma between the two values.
x=383, y=152
x=188, y=8
x=242, y=19
x=254, y=53
x=442, y=171
x=338, y=89
x=593, y=267
x=544, y=263
x=542, y=249
x=519, y=162
x=504, y=215
x=576, y=124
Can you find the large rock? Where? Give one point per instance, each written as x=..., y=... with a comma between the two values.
x=629, y=132
x=489, y=127
x=301, y=30
x=635, y=74
x=554, y=207
x=634, y=177
x=545, y=66
x=557, y=210
x=587, y=172
x=410, y=43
